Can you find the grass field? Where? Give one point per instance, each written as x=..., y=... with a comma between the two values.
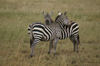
x=15, y=17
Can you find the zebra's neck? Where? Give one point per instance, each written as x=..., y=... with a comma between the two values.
x=61, y=25
x=64, y=31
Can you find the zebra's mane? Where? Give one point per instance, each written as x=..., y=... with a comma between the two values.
x=59, y=22
x=57, y=18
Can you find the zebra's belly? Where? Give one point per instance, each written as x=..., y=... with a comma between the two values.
x=44, y=39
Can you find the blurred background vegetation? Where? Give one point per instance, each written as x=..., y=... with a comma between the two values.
x=15, y=17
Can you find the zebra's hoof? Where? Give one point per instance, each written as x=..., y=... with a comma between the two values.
x=54, y=54
x=48, y=52
x=32, y=56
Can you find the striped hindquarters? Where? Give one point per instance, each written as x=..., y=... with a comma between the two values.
x=40, y=31
x=74, y=28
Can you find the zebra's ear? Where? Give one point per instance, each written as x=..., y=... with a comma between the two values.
x=59, y=13
x=51, y=13
x=44, y=13
x=65, y=13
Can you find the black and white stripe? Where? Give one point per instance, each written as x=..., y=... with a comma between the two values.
x=73, y=29
x=64, y=33
x=40, y=31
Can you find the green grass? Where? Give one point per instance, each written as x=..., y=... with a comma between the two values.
x=15, y=17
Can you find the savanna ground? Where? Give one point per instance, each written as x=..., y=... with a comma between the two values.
x=15, y=17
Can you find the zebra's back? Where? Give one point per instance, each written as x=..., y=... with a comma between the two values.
x=40, y=31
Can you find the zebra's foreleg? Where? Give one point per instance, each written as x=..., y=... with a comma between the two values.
x=50, y=46
x=55, y=45
x=33, y=46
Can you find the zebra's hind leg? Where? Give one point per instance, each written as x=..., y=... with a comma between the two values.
x=50, y=46
x=31, y=41
x=73, y=41
x=33, y=46
x=55, y=45
x=77, y=42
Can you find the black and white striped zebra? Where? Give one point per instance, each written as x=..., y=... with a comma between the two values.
x=72, y=32
x=53, y=32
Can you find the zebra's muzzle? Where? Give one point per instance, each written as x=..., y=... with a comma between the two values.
x=47, y=22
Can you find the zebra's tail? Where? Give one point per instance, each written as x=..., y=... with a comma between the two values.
x=78, y=39
x=31, y=34
x=30, y=28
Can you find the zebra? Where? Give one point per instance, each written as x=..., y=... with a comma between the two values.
x=48, y=19
x=73, y=34
x=42, y=32
x=72, y=31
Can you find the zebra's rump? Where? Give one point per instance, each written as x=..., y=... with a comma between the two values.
x=40, y=31
x=74, y=28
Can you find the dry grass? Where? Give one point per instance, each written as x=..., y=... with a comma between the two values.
x=16, y=15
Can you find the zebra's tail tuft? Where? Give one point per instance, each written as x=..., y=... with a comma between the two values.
x=78, y=39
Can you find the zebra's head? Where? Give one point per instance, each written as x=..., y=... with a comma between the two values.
x=62, y=19
x=48, y=19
